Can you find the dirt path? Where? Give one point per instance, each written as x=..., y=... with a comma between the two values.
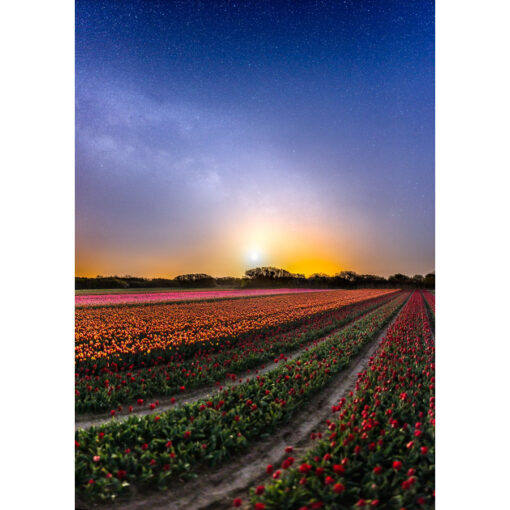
x=216, y=489
x=85, y=421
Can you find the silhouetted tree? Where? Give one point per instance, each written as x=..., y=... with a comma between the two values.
x=261, y=277
x=195, y=280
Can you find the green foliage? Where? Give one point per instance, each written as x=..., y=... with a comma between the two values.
x=144, y=450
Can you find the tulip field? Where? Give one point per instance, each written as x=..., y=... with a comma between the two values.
x=103, y=383
x=260, y=363
x=102, y=299
x=379, y=447
x=137, y=334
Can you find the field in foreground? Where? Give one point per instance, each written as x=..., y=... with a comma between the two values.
x=309, y=346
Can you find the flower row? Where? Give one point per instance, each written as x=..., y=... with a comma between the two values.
x=431, y=300
x=151, y=297
x=156, y=450
x=117, y=385
x=379, y=451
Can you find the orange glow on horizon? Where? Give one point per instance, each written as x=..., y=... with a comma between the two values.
x=295, y=247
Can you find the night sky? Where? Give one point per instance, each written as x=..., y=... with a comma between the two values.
x=216, y=136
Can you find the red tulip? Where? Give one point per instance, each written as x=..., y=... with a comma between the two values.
x=287, y=463
x=406, y=484
x=338, y=488
x=397, y=464
x=338, y=469
x=305, y=468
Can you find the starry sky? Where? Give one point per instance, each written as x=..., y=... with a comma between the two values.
x=213, y=136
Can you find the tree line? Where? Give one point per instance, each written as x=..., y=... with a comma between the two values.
x=261, y=277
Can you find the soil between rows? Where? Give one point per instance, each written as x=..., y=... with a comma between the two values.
x=216, y=489
x=88, y=420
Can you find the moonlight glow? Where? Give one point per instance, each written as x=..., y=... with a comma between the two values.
x=253, y=257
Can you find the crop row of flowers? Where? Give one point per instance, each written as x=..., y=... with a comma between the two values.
x=379, y=451
x=431, y=300
x=118, y=384
x=137, y=334
x=153, y=297
x=156, y=450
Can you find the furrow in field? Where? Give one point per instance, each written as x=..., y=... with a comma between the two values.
x=329, y=374
x=379, y=450
x=223, y=488
x=107, y=390
x=88, y=420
